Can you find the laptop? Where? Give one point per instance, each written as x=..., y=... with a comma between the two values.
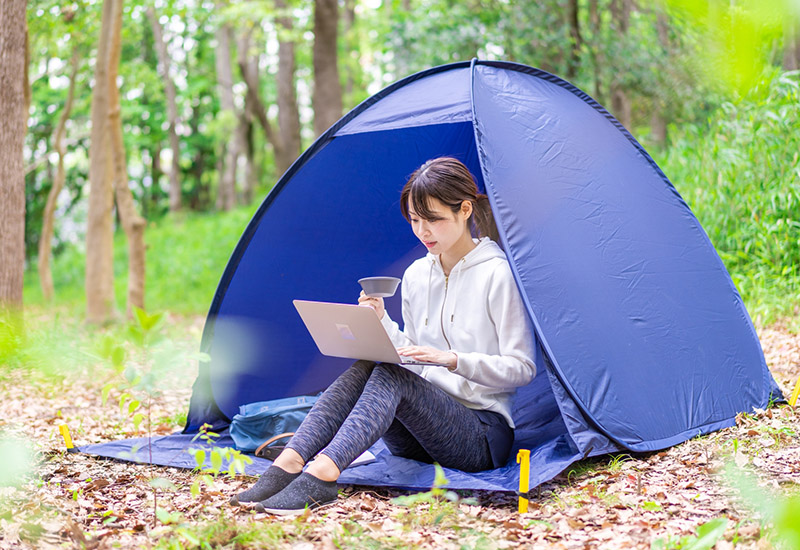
x=350, y=331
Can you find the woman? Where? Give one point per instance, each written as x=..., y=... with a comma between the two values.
x=461, y=310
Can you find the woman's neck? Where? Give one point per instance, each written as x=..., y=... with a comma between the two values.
x=451, y=257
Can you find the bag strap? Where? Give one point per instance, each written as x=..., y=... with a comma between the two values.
x=272, y=440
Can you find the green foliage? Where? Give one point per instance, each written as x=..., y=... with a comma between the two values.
x=780, y=514
x=216, y=457
x=740, y=173
x=186, y=256
x=17, y=459
x=223, y=533
x=736, y=38
x=707, y=536
x=431, y=507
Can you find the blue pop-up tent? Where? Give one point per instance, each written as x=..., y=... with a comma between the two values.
x=642, y=339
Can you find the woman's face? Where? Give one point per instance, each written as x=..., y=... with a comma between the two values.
x=445, y=229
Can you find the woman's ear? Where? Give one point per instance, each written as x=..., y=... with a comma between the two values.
x=466, y=208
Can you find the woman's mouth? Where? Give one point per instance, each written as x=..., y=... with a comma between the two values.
x=429, y=244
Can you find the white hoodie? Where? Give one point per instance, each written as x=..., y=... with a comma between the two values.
x=478, y=314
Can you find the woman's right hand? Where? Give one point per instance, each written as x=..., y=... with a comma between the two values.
x=373, y=302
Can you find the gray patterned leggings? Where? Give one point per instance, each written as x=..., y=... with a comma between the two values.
x=415, y=418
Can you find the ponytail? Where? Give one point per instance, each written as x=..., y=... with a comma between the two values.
x=483, y=218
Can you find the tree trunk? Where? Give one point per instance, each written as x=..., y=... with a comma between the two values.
x=351, y=66
x=658, y=112
x=172, y=111
x=620, y=102
x=246, y=139
x=13, y=123
x=155, y=176
x=132, y=223
x=327, y=97
x=576, y=41
x=226, y=194
x=48, y=221
x=288, y=112
x=595, y=48
x=245, y=128
x=249, y=71
x=100, y=230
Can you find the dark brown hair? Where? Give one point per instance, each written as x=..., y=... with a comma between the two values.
x=450, y=182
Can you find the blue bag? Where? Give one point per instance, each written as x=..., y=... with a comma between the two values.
x=260, y=422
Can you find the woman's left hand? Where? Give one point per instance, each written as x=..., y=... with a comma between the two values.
x=431, y=355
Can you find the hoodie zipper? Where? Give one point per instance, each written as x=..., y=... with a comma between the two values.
x=441, y=317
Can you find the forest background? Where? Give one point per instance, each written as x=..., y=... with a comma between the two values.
x=212, y=101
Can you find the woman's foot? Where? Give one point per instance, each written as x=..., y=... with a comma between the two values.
x=304, y=492
x=270, y=483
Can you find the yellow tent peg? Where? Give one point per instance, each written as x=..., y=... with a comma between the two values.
x=524, y=461
x=795, y=394
x=64, y=429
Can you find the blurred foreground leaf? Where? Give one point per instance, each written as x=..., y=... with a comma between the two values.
x=17, y=460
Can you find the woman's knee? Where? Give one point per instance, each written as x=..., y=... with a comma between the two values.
x=393, y=372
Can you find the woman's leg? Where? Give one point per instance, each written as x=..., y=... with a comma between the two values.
x=444, y=429
x=316, y=430
x=329, y=411
x=450, y=433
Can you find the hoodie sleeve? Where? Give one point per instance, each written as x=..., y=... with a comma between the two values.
x=399, y=337
x=513, y=366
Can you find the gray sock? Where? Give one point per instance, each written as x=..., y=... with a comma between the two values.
x=271, y=482
x=305, y=491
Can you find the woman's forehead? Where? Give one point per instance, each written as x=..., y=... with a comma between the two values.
x=426, y=205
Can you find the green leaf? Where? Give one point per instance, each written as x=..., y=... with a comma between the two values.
x=440, y=479
x=106, y=390
x=137, y=420
x=133, y=405
x=199, y=457
x=708, y=534
x=123, y=401
x=130, y=374
x=651, y=506
x=188, y=536
x=118, y=355
x=147, y=321
x=162, y=484
x=216, y=461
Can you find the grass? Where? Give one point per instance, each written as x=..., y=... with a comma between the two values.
x=186, y=256
x=740, y=174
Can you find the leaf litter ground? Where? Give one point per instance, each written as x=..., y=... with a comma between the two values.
x=626, y=501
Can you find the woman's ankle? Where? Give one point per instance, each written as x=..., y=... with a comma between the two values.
x=323, y=468
x=289, y=461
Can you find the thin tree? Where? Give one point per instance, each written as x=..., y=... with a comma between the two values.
x=246, y=117
x=226, y=194
x=172, y=110
x=327, y=96
x=620, y=102
x=100, y=230
x=132, y=223
x=48, y=218
x=13, y=118
x=575, y=38
x=288, y=112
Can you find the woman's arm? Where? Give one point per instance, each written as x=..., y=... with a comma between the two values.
x=513, y=365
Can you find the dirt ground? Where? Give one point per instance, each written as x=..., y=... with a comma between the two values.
x=656, y=500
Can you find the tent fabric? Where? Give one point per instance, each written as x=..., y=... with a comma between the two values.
x=642, y=339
